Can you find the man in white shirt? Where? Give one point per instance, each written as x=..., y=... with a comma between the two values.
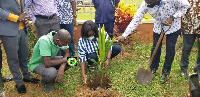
x=163, y=11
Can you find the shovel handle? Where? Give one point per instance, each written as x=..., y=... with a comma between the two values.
x=157, y=45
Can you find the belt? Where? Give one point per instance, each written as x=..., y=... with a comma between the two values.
x=45, y=17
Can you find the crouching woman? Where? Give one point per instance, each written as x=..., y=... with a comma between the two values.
x=87, y=44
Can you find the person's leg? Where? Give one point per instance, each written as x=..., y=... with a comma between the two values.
x=11, y=46
x=54, y=23
x=155, y=63
x=116, y=49
x=48, y=76
x=109, y=28
x=91, y=56
x=188, y=41
x=197, y=65
x=170, y=52
x=23, y=53
x=42, y=26
x=70, y=29
x=4, y=79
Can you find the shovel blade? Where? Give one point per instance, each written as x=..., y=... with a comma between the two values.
x=144, y=76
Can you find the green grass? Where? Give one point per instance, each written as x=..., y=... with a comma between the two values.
x=123, y=71
x=89, y=16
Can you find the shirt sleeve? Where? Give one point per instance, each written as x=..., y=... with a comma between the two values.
x=136, y=20
x=182, y=5
x=29, y=8
x=44, y=48
x=13, y=17
x=81, y=52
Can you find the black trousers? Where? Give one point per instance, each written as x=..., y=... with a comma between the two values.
x=116, y=49
x=170, y=51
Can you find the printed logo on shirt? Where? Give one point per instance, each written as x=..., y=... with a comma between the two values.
x=72, y=61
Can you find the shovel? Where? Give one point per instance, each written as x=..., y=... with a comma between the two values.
x=144, y=76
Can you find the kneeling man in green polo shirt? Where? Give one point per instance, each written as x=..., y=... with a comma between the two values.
x=44, y=60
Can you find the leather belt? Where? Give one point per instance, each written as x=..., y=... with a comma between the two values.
x=45, y=17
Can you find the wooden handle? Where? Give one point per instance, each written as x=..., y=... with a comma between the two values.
x=157, y=45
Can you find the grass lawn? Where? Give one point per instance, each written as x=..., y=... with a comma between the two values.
x=122, y=72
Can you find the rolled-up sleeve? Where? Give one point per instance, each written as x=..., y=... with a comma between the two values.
x=81, y=52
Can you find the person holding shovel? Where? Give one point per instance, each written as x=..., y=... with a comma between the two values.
x=166, y=12
x=191, y=25
x=87, y=44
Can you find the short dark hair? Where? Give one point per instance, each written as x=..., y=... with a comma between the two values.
x=87, y=27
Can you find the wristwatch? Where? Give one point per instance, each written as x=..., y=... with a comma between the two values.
x=173, y=17
x=75, y=16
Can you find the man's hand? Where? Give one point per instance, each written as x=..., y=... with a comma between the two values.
x=168, y=22
x=74, y=21
x=84, y=78
x=60, y=76
x=23, y=17
x=120, y=38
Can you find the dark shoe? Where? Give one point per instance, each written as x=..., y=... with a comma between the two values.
x=32, y=80
x=164, y=79
x=184, y=74
x=21, y=89
x=7, y=79
x=48, y=87
x=153, y=70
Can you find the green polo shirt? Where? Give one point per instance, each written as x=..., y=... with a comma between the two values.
x=44, y=47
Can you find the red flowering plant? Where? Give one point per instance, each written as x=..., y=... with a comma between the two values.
x=124, y=15
x=32, y=37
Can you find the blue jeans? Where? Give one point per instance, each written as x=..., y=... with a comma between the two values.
x=116, y=49
x=70, y=29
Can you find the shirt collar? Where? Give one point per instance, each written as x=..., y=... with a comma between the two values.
x=50, y=36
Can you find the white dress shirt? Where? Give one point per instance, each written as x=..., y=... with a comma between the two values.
x=168, y=8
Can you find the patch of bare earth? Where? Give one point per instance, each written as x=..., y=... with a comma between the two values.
x=95, y=88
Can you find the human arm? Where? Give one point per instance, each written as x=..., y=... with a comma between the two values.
x=5, y=15
x=135, y=22
x=82, y=59
x=182, y=6
x=60, y=75
x=84, y=76
x=73, y=3
x=107, y=59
